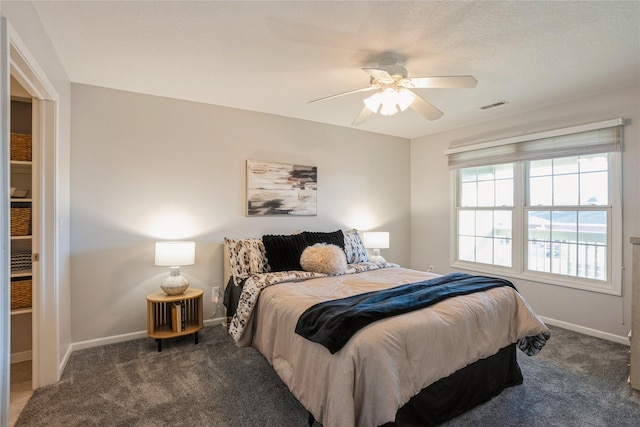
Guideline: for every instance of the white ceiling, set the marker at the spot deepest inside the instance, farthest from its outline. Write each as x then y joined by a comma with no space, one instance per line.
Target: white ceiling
274,57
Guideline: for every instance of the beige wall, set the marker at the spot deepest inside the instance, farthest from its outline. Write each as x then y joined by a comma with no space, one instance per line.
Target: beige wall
137,160
604,315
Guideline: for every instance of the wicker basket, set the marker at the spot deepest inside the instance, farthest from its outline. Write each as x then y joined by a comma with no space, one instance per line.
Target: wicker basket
20,147
20,294
20,221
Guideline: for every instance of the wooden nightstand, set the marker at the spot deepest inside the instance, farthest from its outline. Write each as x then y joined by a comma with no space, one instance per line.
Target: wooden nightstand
170,316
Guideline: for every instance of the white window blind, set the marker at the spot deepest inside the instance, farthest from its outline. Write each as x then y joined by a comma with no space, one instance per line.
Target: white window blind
593,138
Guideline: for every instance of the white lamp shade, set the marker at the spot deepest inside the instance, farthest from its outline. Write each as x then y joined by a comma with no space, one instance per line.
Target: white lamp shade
389,101
174,254
373,102
375,239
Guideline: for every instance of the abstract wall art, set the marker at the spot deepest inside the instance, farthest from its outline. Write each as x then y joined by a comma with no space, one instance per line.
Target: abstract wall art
281,189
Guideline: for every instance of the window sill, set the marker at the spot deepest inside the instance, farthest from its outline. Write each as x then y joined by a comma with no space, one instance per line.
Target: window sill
589,285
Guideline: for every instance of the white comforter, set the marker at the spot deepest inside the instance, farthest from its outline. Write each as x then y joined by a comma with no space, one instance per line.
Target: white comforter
388,362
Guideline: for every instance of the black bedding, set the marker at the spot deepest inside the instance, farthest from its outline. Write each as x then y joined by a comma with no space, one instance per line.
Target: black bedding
467,388
231,297
333,323
461,391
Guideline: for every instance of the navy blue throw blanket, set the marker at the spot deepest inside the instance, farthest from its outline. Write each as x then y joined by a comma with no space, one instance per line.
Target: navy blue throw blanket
333,323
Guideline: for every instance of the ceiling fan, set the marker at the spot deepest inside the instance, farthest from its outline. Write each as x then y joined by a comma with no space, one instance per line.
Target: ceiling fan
394,91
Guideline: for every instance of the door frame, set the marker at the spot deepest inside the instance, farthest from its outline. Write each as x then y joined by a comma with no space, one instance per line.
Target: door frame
22,66
5,296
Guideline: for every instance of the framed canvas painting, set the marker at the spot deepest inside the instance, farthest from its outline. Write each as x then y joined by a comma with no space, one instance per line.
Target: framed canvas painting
281,189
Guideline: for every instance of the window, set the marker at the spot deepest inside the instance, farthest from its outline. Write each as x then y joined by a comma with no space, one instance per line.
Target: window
484,214
567,216
553,215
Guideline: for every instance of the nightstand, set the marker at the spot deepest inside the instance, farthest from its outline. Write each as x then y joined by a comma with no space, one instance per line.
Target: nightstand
170,316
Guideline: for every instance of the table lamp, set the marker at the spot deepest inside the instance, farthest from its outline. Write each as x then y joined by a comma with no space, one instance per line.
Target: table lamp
175,254
376,240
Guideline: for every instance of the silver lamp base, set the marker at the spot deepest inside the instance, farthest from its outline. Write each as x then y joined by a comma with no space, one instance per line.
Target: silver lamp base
175,284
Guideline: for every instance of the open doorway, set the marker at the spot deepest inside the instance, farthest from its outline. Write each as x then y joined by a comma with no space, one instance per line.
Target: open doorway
24,196
47,361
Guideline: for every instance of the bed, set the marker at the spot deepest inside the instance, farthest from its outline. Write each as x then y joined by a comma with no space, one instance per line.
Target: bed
421,367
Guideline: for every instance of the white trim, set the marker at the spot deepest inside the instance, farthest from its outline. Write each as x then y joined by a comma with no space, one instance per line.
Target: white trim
38,299
98,342
216,321
617,211
518,269
453,216
21,356
586,331
5,298
81,345
25,69
539,135
65,360
550,279
46,334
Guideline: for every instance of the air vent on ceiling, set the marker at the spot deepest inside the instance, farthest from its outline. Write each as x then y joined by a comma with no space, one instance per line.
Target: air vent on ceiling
495,104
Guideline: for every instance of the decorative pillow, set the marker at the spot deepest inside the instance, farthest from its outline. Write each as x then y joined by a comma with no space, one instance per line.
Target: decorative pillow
333,238
283,252
353,247
324,258
246,257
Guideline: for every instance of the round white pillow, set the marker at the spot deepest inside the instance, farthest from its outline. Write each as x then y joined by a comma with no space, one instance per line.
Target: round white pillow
323,258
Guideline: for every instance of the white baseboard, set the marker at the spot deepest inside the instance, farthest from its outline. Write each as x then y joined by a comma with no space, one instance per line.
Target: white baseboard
81,345
65,359
216,321
22,356
587,331
26,355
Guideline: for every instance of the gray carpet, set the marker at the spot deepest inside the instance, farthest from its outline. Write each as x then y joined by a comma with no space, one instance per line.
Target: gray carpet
575,381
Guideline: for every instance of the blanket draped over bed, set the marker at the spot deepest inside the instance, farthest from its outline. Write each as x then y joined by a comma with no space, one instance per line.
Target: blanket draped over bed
333,323
386,363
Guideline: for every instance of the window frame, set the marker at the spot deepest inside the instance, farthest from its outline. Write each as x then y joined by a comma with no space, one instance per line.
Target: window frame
519,255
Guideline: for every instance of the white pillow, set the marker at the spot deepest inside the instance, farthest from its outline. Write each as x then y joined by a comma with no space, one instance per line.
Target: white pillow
323,258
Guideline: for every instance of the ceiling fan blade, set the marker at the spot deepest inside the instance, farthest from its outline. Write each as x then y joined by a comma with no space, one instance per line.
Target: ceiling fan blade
374,87
443,82
379,74
425,108
362,117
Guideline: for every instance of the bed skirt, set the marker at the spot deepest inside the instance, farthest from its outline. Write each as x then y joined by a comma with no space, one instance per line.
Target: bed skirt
464,389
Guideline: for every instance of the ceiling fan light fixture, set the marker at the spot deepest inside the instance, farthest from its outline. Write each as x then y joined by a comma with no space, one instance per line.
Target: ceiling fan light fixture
405,98
389,101
393,91
373,102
